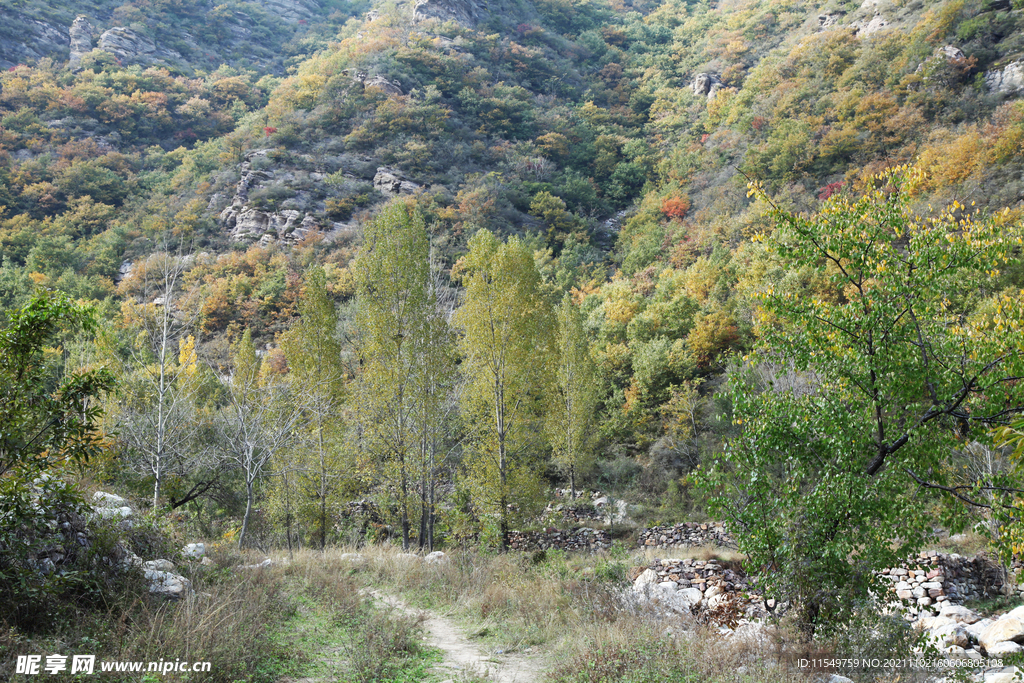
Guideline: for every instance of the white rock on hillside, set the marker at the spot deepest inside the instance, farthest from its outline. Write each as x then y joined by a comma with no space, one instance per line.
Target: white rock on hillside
159,565
1005,628
436,557
167,584
108,500
959,613
194,550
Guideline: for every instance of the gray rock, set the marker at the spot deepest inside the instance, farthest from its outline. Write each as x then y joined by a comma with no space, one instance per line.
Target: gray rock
108,500
80,39
646,579
194,550
436,557
159,565
130,47
468,12
113,513
291,11
1006,81
707,84
167,584
388,181
958,613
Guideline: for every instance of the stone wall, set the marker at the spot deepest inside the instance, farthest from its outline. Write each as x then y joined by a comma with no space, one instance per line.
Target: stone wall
581,538
934,578
686,535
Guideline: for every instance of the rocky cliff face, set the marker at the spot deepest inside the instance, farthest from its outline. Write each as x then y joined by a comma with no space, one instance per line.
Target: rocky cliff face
468,12
81,40
26,40
1006,81
130,47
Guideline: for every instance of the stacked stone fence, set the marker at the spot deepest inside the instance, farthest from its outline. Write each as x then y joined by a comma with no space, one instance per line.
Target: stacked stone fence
686,535
922,584
581,538
934,578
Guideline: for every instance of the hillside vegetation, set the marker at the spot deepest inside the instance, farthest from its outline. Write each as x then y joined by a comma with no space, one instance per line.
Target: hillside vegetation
399,271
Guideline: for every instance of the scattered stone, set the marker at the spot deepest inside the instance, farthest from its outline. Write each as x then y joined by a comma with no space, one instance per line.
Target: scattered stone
108,500
166,584
159,565
436,557
194,550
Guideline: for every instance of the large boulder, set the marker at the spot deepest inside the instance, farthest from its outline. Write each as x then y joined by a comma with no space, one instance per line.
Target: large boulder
108,500
1008,80
167,584
389,181
707,85
645,580
1004,629
958,613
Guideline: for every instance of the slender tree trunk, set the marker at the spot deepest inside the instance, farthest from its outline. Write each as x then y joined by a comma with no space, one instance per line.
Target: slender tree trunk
572,482
249,499
405,507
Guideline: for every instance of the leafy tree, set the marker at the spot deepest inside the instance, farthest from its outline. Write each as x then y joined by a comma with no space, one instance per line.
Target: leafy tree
49,418
865,387
392,279
506,337
317,468
573,412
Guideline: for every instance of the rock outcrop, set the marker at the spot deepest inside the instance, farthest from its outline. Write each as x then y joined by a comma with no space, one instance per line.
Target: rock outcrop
468,12
389,87
1006,81
291,11
247,223
130,47
81,40
36,40
707,84
389,181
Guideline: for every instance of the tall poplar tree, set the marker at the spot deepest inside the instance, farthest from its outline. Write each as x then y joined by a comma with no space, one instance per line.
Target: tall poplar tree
506,338
392,274
318,470
570,417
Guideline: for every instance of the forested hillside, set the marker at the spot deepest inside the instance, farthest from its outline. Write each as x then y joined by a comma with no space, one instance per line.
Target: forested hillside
448,256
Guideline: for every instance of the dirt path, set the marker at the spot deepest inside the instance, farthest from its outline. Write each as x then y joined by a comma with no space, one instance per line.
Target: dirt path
462,655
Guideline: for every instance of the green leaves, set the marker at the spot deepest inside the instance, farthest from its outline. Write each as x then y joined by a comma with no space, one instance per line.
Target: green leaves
865,380
506,342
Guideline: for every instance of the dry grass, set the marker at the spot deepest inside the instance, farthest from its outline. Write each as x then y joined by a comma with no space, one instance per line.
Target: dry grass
571,606
247,623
